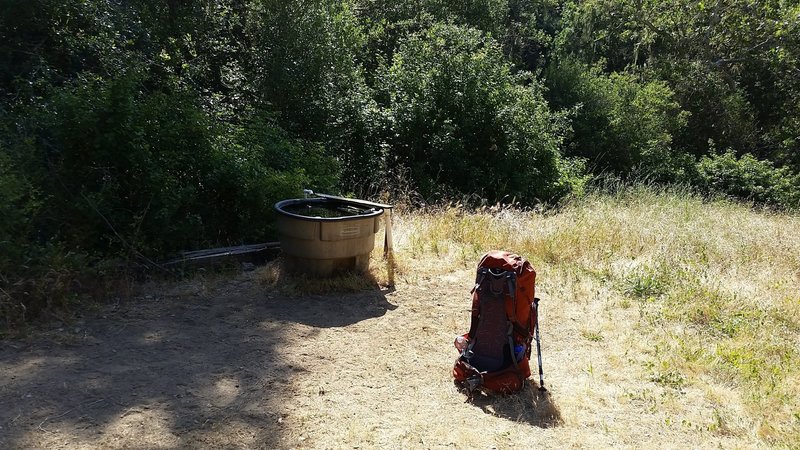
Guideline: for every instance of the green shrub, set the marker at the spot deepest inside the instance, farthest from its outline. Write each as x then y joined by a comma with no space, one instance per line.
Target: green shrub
462,123
17,205
102,169
34,275
124,168
620,124
748,178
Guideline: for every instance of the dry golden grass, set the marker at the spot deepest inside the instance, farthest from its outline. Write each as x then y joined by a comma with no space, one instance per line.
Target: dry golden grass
666,319
667,322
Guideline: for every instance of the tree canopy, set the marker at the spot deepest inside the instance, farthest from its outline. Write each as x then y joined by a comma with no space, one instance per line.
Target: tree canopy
150,127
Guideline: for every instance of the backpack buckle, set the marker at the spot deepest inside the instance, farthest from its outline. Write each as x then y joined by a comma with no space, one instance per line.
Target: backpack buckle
474,382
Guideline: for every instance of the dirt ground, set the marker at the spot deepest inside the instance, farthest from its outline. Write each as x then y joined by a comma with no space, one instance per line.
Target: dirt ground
233,363
236,365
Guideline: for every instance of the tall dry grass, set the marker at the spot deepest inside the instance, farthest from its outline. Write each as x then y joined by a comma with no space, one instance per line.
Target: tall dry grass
699,299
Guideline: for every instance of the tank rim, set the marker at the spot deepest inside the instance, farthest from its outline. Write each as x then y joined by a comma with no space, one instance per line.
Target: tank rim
376,212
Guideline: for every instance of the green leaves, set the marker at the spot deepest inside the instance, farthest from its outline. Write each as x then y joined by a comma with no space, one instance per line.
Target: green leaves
728,63
749,178
620,124
463,124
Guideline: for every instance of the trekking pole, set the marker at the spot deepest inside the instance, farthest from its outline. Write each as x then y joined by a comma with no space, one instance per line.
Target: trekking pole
539,346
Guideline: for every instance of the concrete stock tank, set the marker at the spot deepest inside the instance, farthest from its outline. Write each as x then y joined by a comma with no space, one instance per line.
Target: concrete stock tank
325,235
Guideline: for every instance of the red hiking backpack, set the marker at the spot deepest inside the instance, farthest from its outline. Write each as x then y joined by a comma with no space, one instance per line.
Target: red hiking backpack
496,351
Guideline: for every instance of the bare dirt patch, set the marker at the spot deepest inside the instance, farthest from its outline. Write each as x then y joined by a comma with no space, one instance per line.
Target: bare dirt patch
237,364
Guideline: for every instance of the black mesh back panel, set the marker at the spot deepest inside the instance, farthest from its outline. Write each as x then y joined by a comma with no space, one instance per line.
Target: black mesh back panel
491,335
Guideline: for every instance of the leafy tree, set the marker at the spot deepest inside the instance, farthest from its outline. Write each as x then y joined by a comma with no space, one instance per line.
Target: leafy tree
524,28
463,123
530,32
619,124
731,63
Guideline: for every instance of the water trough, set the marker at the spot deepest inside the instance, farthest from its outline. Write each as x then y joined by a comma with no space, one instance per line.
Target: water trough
326,234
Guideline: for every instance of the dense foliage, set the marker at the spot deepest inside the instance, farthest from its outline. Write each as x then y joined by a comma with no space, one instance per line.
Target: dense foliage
463,122
137,129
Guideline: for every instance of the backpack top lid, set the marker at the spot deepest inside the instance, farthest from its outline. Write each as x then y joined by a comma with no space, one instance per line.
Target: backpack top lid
511,262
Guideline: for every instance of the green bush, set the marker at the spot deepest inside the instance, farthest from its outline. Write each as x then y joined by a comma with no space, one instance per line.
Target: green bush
256,165
620,124
17,205
462,123
125,168
103,169
34,275
748,178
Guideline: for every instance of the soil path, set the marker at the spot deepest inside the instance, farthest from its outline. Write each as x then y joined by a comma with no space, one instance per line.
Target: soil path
237,365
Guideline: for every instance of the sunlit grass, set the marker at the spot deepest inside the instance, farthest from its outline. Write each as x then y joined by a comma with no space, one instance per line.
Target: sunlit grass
662,303
716,286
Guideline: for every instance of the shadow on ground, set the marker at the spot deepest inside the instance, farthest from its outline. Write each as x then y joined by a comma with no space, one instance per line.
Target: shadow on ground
326,311
528,405
192,369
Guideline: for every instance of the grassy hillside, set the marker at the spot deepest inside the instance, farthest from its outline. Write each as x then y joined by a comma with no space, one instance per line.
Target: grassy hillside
674,313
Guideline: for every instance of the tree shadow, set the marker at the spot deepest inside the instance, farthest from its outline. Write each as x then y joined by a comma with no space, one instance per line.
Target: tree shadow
197,366
528,405
333,310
